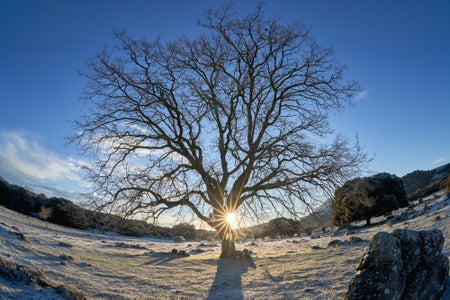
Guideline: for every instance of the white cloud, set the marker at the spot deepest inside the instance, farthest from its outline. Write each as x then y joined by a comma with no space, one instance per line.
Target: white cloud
439,160
362,95
27,162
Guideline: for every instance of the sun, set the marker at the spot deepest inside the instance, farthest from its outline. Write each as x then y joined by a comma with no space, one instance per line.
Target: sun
231,219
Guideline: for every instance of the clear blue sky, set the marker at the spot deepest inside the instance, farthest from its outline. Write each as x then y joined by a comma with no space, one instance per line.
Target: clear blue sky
398,50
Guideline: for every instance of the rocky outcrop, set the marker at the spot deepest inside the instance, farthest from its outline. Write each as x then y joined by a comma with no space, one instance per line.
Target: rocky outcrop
406,264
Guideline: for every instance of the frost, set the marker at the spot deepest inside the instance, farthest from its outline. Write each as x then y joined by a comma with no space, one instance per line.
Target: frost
105,266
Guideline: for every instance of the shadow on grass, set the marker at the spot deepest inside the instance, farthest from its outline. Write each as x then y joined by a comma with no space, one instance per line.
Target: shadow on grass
228,282
160,258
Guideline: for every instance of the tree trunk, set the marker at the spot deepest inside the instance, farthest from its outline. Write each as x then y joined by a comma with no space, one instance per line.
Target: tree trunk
228,245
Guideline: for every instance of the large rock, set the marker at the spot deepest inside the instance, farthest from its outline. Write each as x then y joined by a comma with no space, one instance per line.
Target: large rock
403,265
379,273
411,247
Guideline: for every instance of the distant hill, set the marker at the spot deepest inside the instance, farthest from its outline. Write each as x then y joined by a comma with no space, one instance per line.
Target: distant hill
419,184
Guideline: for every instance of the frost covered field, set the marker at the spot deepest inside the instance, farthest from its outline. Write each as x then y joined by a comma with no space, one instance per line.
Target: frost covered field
110,266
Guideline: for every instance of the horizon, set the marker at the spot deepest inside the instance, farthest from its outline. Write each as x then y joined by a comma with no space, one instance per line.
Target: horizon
397,51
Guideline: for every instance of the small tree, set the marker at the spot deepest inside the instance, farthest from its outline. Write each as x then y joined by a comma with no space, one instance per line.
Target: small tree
282,227
45,213
229,120
186,230
364,198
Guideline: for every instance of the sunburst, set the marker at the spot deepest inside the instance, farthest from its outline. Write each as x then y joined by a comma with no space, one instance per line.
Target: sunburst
231,220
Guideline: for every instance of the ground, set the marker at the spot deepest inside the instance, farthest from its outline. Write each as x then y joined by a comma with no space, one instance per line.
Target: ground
105,265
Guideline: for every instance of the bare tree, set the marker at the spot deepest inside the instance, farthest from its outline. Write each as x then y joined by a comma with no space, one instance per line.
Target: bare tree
45,213
235,118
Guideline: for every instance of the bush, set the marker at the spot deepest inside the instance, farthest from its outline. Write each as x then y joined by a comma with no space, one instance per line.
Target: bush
281,227
364,198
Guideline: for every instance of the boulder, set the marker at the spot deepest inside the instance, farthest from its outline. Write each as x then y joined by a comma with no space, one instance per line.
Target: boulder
411,247
403,265
355,239
427,280
379,273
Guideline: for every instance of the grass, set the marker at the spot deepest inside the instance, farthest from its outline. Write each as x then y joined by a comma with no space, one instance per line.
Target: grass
105,266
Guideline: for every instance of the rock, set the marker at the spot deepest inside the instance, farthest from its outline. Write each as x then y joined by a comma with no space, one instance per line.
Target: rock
355,239
427,281
132,246
178,239
433,242
183,253
403,265
19,235
379,271
66,257
334,243
24,275
198,251
64,244
411,247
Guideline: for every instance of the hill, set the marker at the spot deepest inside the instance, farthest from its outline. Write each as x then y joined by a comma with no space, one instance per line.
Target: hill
57,262
64,212
419,184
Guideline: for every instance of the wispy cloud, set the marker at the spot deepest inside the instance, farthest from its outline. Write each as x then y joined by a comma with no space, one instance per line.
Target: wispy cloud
440,160
27,162
362,95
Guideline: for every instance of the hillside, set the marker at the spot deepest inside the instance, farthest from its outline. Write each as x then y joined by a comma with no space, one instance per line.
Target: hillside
64,212
103,265
420,184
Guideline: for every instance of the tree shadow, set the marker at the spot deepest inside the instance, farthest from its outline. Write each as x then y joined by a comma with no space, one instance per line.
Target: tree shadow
228,282
160,258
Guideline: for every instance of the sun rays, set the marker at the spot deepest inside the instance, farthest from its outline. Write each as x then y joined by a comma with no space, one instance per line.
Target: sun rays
231,220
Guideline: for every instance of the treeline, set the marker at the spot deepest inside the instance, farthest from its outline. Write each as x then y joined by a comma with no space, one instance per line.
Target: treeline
64,212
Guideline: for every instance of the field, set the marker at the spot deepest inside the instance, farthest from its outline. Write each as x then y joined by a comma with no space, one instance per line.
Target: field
103,265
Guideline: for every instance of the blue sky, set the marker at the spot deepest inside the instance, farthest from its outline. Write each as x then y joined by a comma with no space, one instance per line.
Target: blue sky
398,50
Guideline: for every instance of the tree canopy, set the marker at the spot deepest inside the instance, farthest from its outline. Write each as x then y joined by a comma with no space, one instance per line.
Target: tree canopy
234,118
368,197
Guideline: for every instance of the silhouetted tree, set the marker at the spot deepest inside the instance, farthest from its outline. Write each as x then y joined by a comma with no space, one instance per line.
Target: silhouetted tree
364,198
231,119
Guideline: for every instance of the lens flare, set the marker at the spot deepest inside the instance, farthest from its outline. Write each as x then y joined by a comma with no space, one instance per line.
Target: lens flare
231,219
